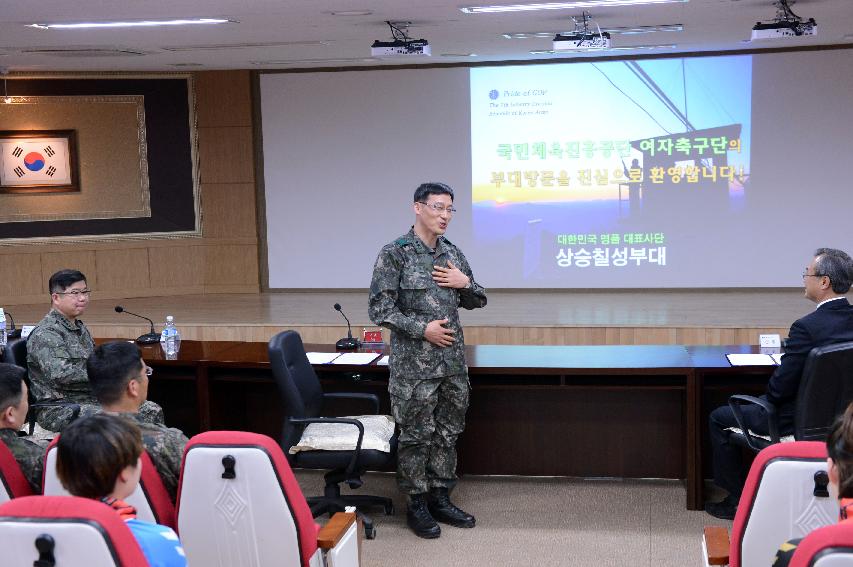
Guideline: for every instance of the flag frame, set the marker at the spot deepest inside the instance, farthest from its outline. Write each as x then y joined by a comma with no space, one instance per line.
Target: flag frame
68,138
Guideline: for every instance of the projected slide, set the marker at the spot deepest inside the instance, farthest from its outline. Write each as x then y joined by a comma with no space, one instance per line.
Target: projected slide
582,172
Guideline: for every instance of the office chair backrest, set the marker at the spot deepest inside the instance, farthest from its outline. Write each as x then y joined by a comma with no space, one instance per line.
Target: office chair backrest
830,546
826,389
786,496
13,483
150,498
239,504
67,532
16,352
298,385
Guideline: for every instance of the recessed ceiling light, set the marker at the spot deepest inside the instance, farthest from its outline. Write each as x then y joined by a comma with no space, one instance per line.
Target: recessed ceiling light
351,12
316,61
458,55
624,48
561,5
132,24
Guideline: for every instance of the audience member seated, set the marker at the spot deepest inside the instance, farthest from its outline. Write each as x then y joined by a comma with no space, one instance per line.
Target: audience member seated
99,457
826,279
57,350
13,414
839,447
119,380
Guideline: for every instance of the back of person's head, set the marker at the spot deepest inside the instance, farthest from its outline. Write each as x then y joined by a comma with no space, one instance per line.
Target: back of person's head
63,279
839,447
424,190
93,451
837,266
11,386
110,367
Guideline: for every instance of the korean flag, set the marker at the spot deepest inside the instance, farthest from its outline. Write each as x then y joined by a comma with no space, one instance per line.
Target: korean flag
44,161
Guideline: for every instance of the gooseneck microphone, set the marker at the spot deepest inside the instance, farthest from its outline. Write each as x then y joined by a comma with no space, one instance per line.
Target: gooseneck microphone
12,333
149,338
348,343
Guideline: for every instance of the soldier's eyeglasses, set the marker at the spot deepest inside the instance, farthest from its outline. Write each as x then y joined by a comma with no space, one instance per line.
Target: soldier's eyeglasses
439,208
76,293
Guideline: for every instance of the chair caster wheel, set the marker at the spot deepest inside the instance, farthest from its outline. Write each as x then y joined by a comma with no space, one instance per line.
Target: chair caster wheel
389,509
370,532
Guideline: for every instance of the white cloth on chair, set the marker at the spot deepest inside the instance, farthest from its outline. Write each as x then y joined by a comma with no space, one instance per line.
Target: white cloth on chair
378,430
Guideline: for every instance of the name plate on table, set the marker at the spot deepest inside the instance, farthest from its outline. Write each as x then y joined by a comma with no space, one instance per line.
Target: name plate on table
769,341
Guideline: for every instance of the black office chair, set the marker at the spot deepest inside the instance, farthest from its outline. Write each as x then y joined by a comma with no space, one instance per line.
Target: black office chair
302,400
826,389
16,353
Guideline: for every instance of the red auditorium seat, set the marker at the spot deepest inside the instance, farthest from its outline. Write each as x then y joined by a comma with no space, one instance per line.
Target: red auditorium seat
239,503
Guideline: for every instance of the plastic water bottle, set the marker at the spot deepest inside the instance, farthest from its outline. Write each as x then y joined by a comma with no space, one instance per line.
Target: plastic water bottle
2,328
170,338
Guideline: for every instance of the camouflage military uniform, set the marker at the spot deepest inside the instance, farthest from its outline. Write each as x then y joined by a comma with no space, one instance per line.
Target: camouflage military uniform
30,457
57,350
429,384
165,446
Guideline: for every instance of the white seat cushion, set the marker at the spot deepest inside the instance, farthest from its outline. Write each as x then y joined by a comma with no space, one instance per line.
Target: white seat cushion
378,430
785,439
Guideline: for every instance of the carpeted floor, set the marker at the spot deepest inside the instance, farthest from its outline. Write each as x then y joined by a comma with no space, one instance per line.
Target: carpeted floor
542,522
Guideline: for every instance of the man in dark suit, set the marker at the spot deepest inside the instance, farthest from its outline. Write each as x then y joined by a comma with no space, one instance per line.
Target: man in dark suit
826,279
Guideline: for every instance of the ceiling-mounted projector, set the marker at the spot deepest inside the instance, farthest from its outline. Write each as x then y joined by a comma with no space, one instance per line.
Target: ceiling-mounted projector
582,37
786,24
398,47
401,45
563,42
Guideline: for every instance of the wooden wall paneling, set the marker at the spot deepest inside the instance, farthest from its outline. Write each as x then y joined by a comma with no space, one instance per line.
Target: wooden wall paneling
229,210
223,98
122,270
231,265
22,276
176,267
76,259
226,154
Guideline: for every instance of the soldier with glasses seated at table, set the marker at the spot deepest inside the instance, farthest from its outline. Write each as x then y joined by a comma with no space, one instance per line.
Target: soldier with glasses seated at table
57,351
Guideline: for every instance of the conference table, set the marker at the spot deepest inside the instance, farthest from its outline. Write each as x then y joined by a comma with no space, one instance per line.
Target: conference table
583,411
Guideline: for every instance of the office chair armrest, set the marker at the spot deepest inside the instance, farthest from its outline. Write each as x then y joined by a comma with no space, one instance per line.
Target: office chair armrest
31,416
373,398
772,427
353,464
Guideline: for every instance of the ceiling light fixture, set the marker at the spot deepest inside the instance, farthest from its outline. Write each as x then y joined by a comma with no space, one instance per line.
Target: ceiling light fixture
132,24
561,5
351,13
623,48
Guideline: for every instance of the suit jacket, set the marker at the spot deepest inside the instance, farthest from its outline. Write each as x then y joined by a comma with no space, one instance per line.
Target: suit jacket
830,323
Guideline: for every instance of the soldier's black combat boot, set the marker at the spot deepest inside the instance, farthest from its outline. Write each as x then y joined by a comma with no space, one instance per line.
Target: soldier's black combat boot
419,519
443,510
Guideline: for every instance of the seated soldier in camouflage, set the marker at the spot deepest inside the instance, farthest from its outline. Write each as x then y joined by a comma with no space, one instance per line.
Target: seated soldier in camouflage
119,380
13,413
57,351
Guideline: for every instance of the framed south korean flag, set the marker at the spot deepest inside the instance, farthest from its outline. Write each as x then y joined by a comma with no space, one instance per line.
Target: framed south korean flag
38,161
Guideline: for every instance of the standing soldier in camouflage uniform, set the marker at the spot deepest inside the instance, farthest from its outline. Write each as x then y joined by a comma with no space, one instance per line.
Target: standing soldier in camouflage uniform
57,350
119,379
419,282
13,413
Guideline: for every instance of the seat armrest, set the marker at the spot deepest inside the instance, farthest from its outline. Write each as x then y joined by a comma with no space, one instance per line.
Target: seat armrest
35,406
716,540
373,398
334,530
772,427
